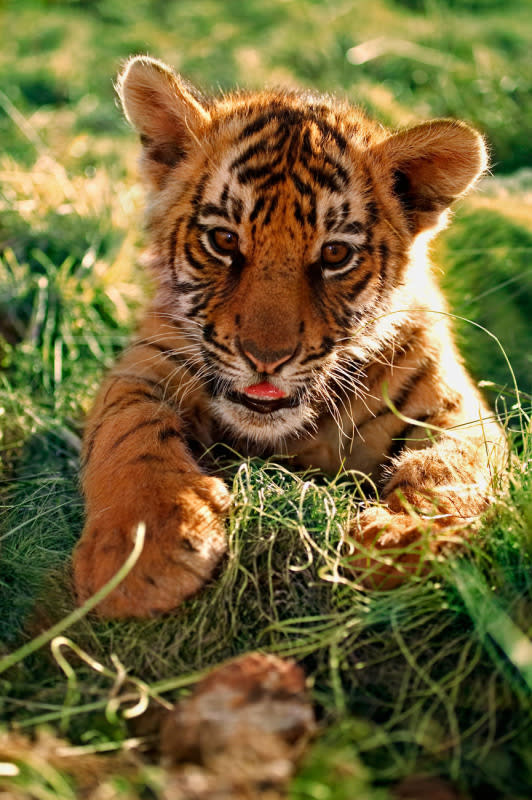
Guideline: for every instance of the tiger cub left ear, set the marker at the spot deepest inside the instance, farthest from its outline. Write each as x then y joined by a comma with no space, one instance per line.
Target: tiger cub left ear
431,165
166,112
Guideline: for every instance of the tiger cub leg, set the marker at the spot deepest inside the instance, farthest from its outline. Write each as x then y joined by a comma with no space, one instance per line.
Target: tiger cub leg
138,469
430,504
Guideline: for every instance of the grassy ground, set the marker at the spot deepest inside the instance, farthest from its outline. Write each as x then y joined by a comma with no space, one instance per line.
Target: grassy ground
434,678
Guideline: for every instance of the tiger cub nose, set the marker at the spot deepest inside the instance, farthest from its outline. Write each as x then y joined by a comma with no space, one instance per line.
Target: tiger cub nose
267,361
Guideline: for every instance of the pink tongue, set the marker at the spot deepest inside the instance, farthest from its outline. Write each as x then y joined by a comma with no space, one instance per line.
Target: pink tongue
265,390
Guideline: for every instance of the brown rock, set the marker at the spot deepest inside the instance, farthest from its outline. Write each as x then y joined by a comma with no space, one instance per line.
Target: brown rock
425,787
241,733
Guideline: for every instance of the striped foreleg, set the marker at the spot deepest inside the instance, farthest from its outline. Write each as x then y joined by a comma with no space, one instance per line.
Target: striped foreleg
137,468
430,503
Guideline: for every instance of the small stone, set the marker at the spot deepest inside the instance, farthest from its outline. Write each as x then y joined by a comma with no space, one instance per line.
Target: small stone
423,787
246,726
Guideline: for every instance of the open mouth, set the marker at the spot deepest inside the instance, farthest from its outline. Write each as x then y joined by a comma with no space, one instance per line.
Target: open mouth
263,399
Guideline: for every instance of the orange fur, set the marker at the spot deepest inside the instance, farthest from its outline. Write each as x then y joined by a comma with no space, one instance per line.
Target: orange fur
288,242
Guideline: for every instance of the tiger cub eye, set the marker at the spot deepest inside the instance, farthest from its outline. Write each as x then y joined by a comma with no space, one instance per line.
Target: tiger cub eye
223,241
335,254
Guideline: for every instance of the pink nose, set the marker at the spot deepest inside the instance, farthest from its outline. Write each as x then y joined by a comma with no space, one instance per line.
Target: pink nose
265,361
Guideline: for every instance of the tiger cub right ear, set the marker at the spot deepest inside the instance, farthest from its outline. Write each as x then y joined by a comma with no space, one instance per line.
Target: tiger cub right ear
164,110
430,166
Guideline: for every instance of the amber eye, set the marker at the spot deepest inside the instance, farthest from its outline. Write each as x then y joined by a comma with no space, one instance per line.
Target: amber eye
335,254
223,241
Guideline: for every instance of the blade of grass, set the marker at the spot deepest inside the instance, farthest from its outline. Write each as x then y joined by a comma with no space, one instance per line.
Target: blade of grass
78,613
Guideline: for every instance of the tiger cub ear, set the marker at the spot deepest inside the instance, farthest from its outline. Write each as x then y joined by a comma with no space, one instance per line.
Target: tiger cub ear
164,110
431,165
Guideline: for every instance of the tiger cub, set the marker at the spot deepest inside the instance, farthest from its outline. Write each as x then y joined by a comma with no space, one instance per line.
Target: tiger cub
295,314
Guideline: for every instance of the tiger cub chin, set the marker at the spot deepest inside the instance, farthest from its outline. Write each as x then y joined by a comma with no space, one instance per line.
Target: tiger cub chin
295,314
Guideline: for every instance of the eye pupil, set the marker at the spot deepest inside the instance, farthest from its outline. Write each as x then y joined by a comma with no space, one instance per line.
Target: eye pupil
223,241
335,254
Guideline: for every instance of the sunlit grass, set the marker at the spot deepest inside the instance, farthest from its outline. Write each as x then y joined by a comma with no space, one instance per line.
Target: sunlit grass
433,678
429,674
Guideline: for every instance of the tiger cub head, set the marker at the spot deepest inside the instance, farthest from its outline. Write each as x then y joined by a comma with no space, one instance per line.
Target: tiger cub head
283,226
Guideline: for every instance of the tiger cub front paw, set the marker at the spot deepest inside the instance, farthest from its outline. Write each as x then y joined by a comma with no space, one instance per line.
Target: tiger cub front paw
184,541
390,546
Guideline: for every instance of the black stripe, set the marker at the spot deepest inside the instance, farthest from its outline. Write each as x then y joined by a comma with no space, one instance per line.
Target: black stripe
336,218
327,344
198,306
213,359
324,179
130,377
119,405
273,180
253,173
346,208
237,207
352,227
168,433
372,211
298,213
208,209
208,334
172,247
311,216
147,423
331,219
293,149
167,153
328,130
302,187
131,399
193,261
147,457
187,287
341,315
339,170
257,125
359,286
286,118
384,253
306,147
279,139
257,208
401,398
251,151
256,172
200,187
271,209
225,195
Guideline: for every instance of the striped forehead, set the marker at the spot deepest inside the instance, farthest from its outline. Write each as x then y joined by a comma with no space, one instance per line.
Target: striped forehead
276,158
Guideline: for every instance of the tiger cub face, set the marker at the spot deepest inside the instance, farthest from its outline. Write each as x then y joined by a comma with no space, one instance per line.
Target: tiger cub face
284,228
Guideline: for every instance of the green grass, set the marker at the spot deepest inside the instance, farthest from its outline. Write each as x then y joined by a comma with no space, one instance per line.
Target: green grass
433,678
